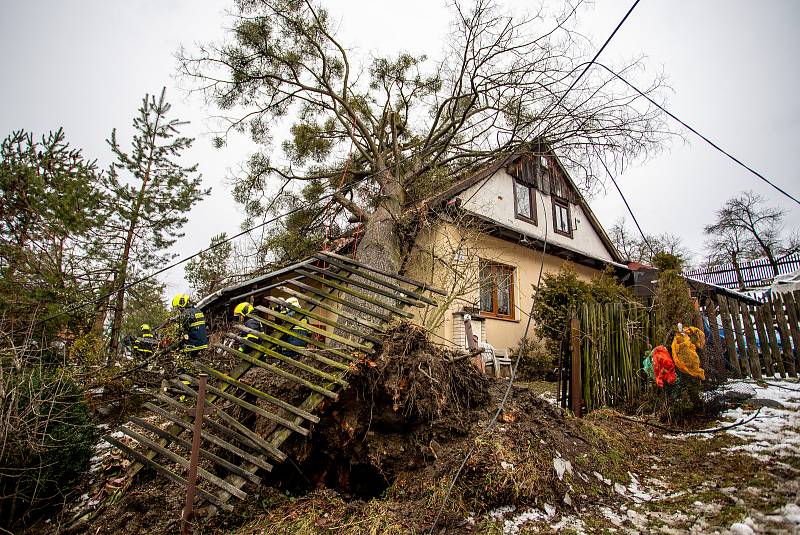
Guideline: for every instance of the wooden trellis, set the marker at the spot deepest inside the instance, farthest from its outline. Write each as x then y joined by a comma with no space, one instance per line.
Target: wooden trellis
350,305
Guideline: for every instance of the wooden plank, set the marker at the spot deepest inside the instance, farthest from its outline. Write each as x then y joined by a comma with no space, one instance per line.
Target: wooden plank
763,339
398,277
230,467
744,362
366,275
256,392
249,406
713,325
794,325
364,286
258,461
786,346
286,375
358,295
331,295
307,326
237,425
184,463
750,336
326,320
216,426
167,473
575,374
730,346
336,310
284,358
770,325
300,350
282,329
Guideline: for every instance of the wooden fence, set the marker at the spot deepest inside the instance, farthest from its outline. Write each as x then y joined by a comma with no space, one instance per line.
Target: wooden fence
609,341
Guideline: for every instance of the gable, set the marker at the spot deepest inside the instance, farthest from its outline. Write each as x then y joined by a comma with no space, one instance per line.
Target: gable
499,192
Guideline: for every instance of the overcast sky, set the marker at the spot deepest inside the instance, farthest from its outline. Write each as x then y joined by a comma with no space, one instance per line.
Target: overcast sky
732,66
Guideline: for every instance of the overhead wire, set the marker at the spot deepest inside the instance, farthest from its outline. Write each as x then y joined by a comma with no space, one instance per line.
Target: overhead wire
697,133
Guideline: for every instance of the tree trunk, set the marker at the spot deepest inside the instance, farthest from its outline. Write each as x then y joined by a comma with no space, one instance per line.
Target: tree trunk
380,245
738,270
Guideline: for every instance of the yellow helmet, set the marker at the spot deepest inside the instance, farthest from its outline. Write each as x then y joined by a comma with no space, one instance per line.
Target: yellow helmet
243,309
180,301
145,328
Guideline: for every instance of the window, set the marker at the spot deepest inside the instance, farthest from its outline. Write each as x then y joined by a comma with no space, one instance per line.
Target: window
497,289
561,217
524,202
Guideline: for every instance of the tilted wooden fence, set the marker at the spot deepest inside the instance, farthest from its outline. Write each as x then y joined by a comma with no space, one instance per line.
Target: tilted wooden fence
608,343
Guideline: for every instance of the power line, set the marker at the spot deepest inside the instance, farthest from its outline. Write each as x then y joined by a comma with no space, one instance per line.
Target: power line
209,248
575,81
628,206
698,134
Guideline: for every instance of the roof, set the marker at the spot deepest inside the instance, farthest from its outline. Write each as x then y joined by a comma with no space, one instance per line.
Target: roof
501,162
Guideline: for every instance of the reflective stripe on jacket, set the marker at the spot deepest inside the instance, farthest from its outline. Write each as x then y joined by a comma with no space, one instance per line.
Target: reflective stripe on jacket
194,325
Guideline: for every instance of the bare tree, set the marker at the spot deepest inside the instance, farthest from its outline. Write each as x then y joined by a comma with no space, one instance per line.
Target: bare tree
747,219
643,248
383,137
728,244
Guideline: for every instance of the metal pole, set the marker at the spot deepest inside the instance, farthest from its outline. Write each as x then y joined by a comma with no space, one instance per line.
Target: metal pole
191,483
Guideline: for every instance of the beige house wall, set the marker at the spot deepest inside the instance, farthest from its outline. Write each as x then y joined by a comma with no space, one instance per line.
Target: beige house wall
446,256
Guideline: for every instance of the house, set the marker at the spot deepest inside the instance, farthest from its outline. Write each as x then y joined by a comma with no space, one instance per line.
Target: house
492,234
484,241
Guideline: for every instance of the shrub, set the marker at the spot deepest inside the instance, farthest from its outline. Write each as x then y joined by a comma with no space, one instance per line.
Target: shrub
563,290
537,360
45,439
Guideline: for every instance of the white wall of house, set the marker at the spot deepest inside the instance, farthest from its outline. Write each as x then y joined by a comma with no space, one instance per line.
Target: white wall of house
494,199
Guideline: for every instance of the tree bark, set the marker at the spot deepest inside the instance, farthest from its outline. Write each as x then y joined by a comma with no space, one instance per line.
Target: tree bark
380,245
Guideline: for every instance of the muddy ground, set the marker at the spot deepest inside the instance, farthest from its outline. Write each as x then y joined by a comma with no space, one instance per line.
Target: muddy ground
383,457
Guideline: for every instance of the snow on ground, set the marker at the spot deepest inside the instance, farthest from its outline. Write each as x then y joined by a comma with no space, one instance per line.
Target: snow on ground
775,432
773,435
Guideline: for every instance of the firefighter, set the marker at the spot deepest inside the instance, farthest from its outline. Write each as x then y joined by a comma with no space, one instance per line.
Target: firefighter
241,311
289,309
193,322
144,344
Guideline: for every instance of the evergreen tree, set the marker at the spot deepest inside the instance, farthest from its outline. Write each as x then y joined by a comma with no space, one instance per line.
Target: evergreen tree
149,193
49,206
209,271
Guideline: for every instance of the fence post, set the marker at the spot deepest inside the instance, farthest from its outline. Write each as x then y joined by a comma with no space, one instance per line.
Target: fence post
730,345
191,481
575,380
786,344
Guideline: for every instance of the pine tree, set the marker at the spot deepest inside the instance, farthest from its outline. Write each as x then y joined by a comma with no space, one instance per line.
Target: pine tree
150,193
49,207
208,272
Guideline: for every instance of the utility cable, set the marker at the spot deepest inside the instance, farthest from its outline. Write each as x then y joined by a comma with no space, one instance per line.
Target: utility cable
628,206
695,432
502,405
209,248
698,134
575,81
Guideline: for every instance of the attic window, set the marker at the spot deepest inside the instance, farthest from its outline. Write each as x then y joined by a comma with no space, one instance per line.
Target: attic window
524,202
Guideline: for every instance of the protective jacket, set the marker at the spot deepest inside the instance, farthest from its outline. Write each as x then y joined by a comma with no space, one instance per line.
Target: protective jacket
194,326
250,323
143,346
